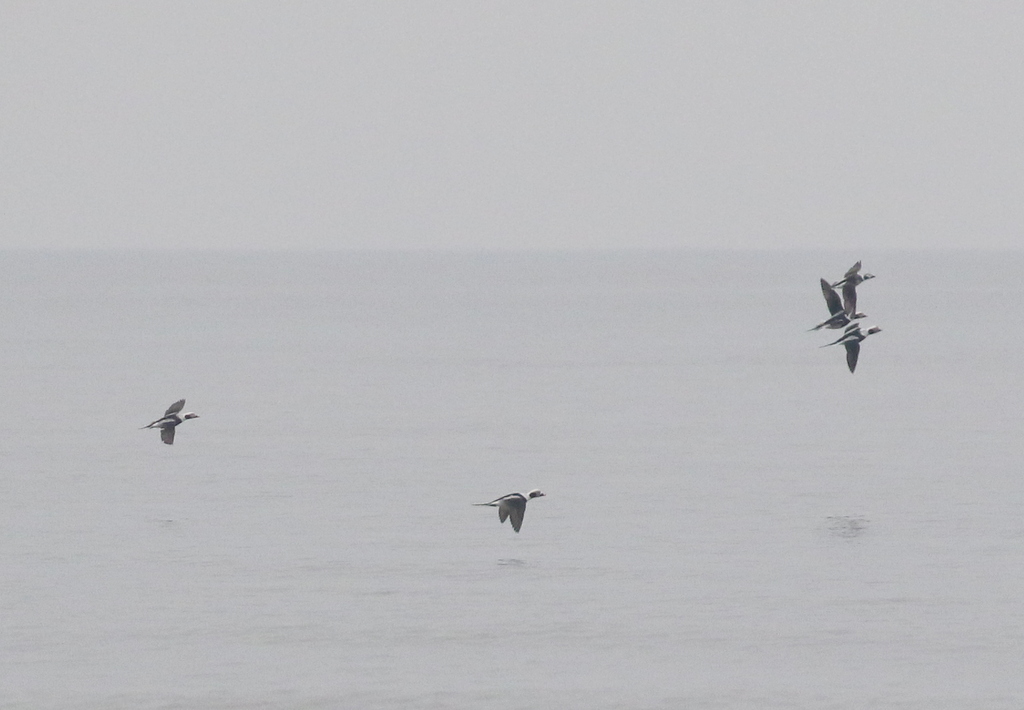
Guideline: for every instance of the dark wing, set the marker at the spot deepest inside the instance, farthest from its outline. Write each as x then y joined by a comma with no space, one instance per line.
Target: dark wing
502,511
831,298
167,434
852,353
850,298
175,408
516,510
853,269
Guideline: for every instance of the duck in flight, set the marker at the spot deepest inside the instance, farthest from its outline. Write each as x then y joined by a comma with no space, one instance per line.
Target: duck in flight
851,340
171,419
842,314
513,506
850,281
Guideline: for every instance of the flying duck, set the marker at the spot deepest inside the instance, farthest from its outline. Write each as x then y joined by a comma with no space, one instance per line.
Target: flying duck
841,315
851,341
850,281
170,420
513,506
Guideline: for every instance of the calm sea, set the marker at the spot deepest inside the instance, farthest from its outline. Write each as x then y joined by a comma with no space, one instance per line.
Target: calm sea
732,519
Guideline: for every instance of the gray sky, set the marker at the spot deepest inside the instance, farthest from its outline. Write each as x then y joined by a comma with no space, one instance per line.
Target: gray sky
506,125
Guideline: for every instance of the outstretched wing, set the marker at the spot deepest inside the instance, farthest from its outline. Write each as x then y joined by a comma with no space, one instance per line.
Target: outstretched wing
516,509
853,269
516,516
850,298
852,353
167,435
175,408
831,298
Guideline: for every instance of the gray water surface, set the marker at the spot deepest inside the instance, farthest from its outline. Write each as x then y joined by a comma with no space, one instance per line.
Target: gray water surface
732,519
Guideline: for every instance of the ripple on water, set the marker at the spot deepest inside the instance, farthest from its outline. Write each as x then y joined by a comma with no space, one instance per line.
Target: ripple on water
846,525
511,563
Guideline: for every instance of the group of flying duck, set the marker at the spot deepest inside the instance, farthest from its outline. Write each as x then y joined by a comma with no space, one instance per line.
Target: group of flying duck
512,506
844,313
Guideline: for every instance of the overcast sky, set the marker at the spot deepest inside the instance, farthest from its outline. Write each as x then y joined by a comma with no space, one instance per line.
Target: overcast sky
512,124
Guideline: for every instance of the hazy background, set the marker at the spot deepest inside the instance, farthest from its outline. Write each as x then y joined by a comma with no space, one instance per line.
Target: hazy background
526,124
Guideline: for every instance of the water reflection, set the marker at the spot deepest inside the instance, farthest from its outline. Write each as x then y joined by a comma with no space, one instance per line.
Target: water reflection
847,525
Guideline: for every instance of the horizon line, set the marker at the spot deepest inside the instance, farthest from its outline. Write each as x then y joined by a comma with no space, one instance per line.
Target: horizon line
495,250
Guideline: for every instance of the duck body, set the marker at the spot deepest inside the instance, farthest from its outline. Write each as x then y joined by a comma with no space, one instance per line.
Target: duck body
850,281
853,276
513,507
170,420
851,340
